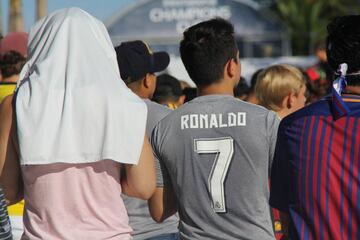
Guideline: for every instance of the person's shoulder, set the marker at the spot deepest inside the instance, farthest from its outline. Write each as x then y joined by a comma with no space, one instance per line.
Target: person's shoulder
6,103
233,103
154,106
253,110
318,108
155,114
251,107
174,114
230,103
6,113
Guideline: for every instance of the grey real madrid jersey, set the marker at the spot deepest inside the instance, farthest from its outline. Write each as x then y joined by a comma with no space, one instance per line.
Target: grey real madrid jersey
139,217
217,151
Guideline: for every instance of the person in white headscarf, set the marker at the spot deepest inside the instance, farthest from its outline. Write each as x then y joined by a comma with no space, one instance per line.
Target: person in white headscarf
72,139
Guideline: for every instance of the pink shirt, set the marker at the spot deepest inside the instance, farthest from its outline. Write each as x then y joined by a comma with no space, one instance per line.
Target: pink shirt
74,201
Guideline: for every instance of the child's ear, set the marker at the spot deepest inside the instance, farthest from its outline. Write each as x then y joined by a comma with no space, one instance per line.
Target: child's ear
291,100
146,82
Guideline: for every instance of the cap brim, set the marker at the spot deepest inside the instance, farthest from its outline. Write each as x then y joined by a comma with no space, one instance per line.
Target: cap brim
161,61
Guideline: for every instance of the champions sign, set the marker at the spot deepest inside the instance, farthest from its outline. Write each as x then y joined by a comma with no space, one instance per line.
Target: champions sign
185,13
162,22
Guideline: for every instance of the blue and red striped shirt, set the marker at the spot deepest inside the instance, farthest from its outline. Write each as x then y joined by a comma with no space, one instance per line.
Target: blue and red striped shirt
316,171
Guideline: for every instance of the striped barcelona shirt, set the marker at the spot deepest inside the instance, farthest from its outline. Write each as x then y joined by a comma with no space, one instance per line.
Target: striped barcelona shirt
316,171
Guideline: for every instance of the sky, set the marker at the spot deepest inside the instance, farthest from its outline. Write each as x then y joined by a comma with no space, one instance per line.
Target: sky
101,9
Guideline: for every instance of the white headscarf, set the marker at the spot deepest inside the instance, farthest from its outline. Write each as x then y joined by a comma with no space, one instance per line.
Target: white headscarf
71,105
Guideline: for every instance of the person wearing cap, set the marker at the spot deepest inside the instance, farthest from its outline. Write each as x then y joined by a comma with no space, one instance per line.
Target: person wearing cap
169,92
138,65
315,179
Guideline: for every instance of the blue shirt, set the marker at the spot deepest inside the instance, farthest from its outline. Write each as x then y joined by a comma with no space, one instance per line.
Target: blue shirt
316,171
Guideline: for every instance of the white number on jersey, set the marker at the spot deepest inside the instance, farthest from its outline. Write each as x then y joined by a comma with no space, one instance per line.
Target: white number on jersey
224,150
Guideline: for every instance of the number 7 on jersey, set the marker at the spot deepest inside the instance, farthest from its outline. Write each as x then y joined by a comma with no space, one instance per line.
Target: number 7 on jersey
224,150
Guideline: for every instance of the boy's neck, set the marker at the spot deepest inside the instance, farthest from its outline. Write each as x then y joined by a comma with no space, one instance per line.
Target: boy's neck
221,88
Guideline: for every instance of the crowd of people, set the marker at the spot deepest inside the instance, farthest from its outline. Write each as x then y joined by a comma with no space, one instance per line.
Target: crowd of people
99,142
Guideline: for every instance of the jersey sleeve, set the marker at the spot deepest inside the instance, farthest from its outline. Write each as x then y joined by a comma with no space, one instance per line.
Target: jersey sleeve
272,129
279,197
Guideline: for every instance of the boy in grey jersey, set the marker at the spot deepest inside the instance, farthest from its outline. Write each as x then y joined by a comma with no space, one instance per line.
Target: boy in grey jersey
216,151
137,65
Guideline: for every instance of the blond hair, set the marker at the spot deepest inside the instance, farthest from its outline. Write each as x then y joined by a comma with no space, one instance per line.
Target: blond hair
275,83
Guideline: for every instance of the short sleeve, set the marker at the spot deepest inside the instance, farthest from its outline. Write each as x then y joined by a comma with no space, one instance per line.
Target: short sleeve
279,195
272,129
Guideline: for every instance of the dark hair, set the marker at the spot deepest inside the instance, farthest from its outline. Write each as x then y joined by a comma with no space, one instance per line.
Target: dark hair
312,93
206,48
320,45
11,63
254,79
168,88
343,45
242,88
190,93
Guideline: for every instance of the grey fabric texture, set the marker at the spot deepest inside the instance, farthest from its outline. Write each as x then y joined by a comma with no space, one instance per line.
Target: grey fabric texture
139,217
216,152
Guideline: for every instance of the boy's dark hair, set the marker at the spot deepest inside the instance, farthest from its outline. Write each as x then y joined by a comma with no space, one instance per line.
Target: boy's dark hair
254,79
11,63
190,93
320,45
242,88
206,48
343,45
167,89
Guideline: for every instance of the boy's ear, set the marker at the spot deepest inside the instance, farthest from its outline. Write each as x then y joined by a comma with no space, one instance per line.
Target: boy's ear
286,103
230,67
290,100
181,100
146,82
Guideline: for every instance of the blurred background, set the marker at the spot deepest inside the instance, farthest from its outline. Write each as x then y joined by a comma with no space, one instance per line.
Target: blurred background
267,31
